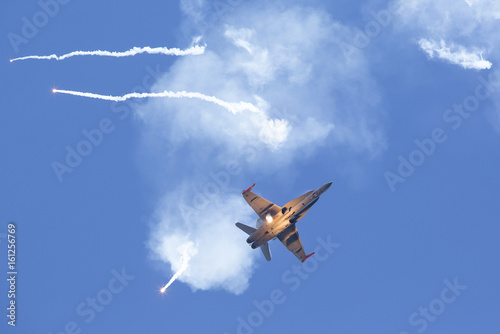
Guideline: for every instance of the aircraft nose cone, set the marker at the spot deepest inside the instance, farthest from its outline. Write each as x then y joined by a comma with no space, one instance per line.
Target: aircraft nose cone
324,187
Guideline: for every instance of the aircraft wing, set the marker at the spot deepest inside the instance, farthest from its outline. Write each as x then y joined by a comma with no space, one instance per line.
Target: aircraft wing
290,238
260,205
297,200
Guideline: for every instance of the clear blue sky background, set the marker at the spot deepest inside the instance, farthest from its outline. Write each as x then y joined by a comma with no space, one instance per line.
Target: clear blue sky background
397,246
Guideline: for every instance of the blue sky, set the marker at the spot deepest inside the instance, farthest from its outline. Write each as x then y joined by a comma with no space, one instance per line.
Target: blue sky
395,102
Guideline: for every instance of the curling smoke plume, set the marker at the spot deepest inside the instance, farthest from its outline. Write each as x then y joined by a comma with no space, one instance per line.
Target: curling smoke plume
233,107
194,50
187,250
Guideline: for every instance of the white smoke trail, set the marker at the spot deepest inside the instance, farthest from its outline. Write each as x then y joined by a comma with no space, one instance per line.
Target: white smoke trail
194,50
187,251
233,107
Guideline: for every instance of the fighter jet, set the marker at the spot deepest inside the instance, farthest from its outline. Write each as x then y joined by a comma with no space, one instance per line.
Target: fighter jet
279,222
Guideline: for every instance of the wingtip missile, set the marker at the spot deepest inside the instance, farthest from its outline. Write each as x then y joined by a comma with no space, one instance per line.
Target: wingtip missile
308,256
244,191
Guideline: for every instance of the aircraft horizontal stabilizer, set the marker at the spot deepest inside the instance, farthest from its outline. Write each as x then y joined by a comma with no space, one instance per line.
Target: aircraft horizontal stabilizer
247,229
266,251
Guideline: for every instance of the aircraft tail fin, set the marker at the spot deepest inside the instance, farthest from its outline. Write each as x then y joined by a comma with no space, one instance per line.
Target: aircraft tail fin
247,229
266,251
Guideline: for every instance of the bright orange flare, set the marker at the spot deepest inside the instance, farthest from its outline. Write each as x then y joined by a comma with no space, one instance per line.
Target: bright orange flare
184,265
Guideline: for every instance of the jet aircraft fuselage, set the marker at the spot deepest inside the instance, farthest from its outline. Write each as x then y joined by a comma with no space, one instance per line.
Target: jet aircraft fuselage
289,214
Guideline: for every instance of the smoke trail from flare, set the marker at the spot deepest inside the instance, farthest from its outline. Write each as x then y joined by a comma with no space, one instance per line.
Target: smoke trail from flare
194,50
187,251
233,107
177,274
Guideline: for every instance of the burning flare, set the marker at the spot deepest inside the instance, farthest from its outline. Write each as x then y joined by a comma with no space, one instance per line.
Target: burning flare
187,250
